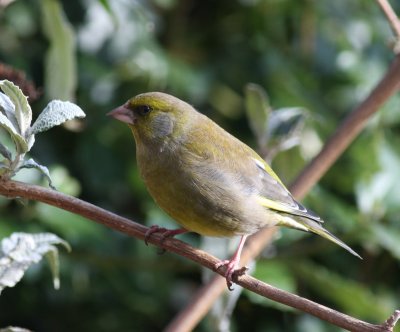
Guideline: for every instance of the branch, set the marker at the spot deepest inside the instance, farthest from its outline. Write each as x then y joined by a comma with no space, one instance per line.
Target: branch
391,16
348,131
204,298
13,189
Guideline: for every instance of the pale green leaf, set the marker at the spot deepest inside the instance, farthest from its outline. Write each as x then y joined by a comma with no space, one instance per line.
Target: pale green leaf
285,128
52,258
56,113
30,163
14,329
258,110
19,141
23,111
8,109
60,70
5,152
21,250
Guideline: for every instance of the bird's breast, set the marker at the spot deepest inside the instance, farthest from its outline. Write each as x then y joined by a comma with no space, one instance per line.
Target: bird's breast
198,195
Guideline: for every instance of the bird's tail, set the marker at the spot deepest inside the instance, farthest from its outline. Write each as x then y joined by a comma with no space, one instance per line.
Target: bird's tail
310,225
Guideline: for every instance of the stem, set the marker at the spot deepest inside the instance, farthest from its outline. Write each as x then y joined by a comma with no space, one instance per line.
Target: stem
13,189
391,16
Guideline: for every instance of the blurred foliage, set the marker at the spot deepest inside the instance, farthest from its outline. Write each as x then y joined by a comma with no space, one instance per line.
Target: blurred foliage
321,56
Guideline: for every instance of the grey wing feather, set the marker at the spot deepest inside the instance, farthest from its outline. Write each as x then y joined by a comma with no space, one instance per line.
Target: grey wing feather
273,190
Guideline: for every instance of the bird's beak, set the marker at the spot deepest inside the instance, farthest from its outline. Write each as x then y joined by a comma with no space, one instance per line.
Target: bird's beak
124,114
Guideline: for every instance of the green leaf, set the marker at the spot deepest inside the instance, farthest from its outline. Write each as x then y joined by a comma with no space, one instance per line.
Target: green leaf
23,111
19,141
258,110
286,123
60,71
52,258
14,329
5,152
30,163
285,127
4,168
8,108
21,250
56,113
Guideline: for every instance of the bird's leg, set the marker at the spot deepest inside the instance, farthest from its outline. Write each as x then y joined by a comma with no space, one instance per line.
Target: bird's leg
164,232
233,263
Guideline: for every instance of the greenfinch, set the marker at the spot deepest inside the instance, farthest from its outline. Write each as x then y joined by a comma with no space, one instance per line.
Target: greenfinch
207,180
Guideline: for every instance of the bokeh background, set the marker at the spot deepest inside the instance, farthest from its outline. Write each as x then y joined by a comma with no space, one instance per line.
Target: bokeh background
321,56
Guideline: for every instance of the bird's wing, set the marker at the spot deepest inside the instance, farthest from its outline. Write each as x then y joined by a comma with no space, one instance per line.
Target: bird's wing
239,163
274,195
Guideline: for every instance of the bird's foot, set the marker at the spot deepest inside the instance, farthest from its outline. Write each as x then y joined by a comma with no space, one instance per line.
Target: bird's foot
165,233
232,271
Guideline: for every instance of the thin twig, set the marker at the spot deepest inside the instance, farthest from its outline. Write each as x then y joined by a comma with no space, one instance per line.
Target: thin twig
391,16
13,189
340,140
348,131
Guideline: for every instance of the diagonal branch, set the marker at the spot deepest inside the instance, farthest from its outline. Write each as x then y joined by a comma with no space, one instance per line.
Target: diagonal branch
204,298
391,16
13,189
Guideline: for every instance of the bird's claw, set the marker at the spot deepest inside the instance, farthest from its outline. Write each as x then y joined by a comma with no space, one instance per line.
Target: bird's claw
232,272
151,230
165,233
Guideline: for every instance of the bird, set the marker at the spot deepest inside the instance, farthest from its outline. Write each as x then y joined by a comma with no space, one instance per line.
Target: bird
207,180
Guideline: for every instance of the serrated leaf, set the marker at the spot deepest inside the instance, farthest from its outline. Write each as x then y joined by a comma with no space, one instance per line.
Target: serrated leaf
19,141
56,113
5,152
30,163
258,110
21,250
60,65
23,111
8,108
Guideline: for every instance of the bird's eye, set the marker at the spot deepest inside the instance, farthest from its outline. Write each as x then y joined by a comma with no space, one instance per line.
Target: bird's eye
143,109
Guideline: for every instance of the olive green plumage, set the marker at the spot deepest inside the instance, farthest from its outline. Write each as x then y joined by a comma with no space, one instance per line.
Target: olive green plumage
207,180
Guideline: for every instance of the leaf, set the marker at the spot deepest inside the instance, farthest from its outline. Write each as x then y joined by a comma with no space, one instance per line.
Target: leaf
60,75
23,111
14,329
285,127
52,258
30,163
4,168
5,152
21,250
9,109
56,113
258,110
286,122
19,141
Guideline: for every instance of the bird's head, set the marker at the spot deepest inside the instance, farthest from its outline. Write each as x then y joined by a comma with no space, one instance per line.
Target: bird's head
154,116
